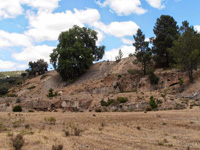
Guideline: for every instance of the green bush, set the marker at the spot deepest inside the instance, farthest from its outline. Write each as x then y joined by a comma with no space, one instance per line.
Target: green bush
153,103
17,108
3,91
104,103
122,99
133,71
51,93
153,78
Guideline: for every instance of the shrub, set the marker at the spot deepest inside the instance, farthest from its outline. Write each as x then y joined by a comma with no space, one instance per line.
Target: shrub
51,94
104,103
119,75
11,95
43,76
50,120
181,88
153,103
17,108
122,99
153,78
57,147
133,71
77,131
31,87
3,91
18,142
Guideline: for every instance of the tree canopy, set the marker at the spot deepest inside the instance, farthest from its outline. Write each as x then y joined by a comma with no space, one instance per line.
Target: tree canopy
40,66
142,50
166,31
76,52
186,50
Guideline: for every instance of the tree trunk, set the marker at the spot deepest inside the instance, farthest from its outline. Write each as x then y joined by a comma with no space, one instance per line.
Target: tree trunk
191,75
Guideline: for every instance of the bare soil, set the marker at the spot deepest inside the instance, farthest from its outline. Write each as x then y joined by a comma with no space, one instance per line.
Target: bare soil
158,130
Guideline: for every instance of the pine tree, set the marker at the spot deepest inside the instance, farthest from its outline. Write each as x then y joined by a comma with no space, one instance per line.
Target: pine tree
142,50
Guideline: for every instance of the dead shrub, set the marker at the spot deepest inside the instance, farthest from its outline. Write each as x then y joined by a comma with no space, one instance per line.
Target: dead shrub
18,142
57,147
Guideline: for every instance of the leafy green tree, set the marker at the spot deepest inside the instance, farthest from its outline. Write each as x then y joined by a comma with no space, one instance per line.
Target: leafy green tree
40,66
119,57
142,50
186,51
166,31
76,52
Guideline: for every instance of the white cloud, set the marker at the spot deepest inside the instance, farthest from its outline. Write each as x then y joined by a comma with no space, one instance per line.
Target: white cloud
8,65
13,8
156,3
48,26
197,27
13,39
123,7
118,29
127,41
111,54
100,36
41,5
34,53
10,9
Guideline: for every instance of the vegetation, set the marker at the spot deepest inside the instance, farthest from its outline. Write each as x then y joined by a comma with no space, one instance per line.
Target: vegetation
51,93
153,78
57,147
50,120
17,108
76,52
119,57
113,101
133,71
186,50
18,142
38,67
166,31
122,99
3,91
31,87
152,103
143,52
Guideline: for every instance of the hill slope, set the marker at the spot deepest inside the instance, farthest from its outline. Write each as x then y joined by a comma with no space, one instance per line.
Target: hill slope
106,81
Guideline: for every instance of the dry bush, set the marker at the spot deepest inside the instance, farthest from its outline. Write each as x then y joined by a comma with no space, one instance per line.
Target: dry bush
57,147
18,142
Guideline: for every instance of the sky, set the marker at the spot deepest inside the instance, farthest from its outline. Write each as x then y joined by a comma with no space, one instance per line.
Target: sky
29,29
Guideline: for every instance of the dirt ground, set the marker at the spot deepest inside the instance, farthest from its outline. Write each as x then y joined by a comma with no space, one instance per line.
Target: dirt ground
159,130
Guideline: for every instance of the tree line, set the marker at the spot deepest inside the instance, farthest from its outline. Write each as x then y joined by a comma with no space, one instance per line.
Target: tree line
172,46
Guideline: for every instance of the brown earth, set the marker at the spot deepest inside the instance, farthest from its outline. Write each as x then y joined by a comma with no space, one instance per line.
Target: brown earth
159,130
103,81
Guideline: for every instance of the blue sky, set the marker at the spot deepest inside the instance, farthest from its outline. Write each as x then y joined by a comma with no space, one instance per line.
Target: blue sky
29,28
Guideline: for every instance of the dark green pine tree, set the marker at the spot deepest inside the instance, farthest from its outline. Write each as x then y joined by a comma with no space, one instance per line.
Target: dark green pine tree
186,50
166,31
142,50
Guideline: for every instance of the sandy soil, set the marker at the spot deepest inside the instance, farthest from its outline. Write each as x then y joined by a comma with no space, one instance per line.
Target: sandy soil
160,130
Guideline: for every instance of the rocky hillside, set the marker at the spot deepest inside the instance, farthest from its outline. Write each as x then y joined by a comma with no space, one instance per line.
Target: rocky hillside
107,86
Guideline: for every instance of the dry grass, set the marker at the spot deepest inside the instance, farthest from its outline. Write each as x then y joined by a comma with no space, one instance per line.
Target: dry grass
157,130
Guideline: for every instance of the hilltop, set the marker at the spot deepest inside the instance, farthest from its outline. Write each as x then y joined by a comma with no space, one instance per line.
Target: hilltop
106,81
